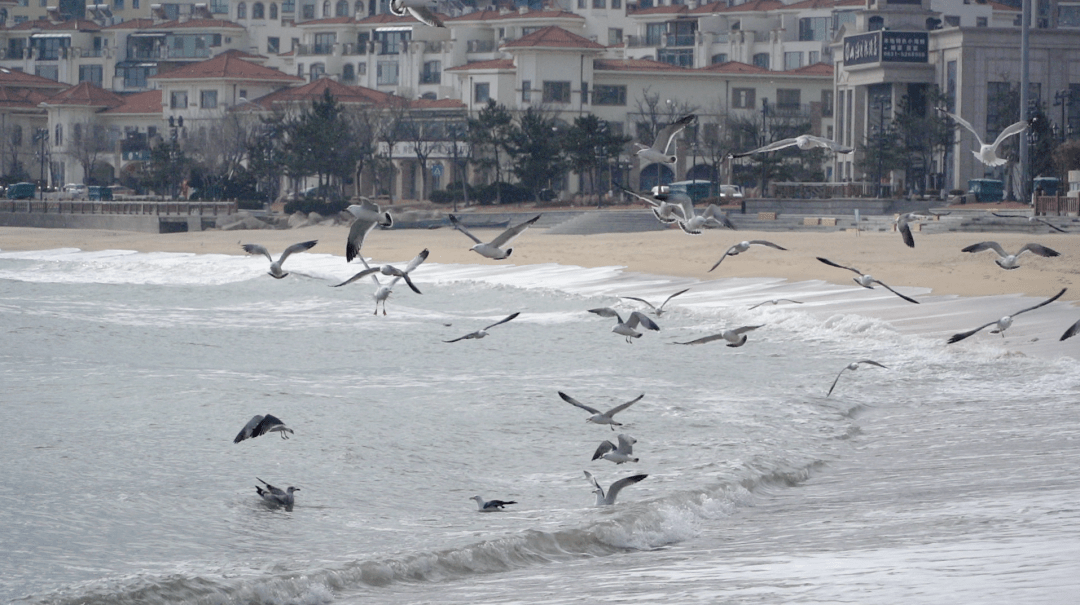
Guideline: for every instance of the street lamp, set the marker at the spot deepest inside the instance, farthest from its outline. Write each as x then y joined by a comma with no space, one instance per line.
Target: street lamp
41,136
1063,99
882,103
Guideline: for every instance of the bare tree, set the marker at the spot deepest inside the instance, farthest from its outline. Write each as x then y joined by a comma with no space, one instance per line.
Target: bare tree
391,131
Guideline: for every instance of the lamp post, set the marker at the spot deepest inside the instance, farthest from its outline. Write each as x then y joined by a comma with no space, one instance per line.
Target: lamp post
1063,98
881,103
764,140
41,136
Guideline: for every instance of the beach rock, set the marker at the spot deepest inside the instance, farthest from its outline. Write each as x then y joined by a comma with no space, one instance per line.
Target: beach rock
297,219
249,222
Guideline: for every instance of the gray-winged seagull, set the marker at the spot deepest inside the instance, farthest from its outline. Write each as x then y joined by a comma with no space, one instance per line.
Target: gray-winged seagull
658,310
608,498
389,270
261,425
1006,321
274,495
491,506
987,154
599,417
804,142
367,216
482,332
494,248
658,152
624,452
1011,261
741,247
852,366
627,328
275,265
735,337
774,302
866,280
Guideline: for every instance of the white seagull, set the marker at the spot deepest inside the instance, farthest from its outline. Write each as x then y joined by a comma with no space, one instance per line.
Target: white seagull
491,506
775,301
1032,219
735,338
656,310
419,9
367,216
712,216
658,153
599,417
1004,323
260,425
1011,261
743,247
274,495
607,499
629,327
624,452
803,141
483,331
383,291
852,366
987,154
665,211
275,266
1072,331
494,248
866,280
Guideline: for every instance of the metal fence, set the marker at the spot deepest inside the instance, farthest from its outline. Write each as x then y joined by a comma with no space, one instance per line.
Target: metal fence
120,207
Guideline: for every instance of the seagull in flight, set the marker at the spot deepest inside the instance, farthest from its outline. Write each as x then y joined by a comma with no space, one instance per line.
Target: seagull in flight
608,498
418,9
629,327
1011,261
804,142
367,216
775,301
483,331
382,292
712,216
1072,331
658,311
735,338
599,417
274,495
741,247
494,248
987,154
391,271
275,265
1006,321
1032,219
866,280
852,366
260,425
658,152
665,211
491,506
624,452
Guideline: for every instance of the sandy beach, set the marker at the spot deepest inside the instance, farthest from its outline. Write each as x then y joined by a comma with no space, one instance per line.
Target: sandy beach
936,262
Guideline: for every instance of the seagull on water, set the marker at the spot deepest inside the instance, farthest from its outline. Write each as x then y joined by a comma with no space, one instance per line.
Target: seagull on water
658,152
275,265
1032,219
1011,261
804,142
274,495
1072,331
599,417
735,338
494,248
624,452
608,498
418,9
987,154
852,366
260,425
491,506
483,331
741,247
658,311
391,271
367,216
627,328
866,280
1004,323
775,301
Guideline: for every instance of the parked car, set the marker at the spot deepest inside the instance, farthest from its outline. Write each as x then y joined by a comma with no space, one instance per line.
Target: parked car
730,192
75,190
21,191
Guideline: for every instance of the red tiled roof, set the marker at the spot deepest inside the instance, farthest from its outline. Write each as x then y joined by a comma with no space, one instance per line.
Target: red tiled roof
1005,8
492,64
88,95
388,18
176,24
490,15
25,98
635,65
735,67
231,64
815,69
753,6
345,94
140,102
45,24
329,21
552,36
660,10
132,24
11,77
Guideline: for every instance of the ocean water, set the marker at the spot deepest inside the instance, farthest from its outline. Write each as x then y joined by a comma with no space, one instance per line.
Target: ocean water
949,477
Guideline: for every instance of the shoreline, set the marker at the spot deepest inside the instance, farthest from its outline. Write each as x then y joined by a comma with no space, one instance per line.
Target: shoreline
936,262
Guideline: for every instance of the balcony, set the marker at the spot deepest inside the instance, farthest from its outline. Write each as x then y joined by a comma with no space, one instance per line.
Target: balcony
434,46
431,78
672,40
354,49
315,49
480,46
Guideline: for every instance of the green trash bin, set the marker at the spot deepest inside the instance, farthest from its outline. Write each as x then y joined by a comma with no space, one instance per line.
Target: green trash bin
1048,184
987,190
99,194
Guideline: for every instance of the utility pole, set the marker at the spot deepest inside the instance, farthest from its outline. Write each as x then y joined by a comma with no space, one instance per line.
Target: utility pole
1025,79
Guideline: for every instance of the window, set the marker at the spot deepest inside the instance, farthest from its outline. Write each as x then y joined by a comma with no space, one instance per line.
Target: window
317,71
178,99
826,103
324,43
609,94
877,22
432,73
241,11
308,11
680,57
556,92
288,6
616,4
719,58
792,60
257,11
326,8
16,136
348,74
813,29
361,69
481,92
76,134
1069,15
581,3
788,98
391,43
118,5
743,98
980,22
614,35
59,140
998,97
761,60
208,99
273,10
526,90
599,3
815,57
135,4
219,7
273,44
654,33
950,20
359,9
341,9
51,72
387,73
90,73
584,93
